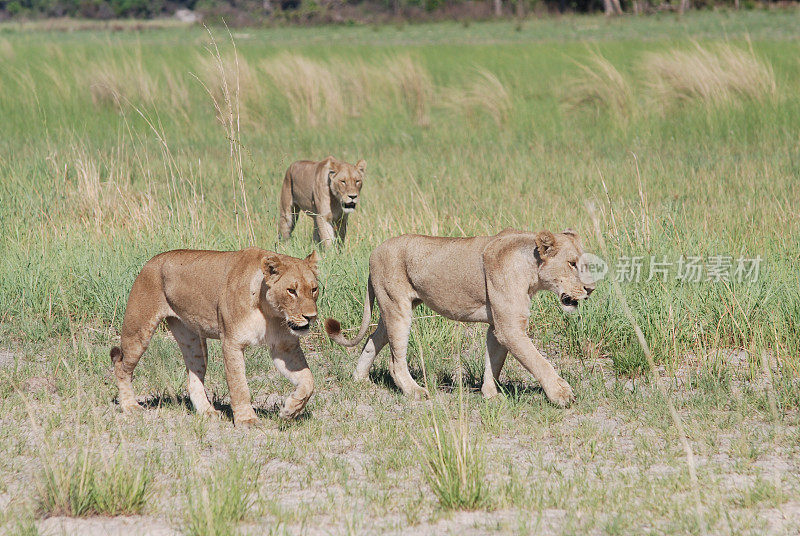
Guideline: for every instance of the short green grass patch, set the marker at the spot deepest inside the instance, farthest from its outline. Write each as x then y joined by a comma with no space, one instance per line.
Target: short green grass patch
85,485
217,500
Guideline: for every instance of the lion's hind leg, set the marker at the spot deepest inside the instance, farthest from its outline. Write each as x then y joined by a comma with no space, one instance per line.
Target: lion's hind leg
495,359
195,356
374,345
145,310
397,317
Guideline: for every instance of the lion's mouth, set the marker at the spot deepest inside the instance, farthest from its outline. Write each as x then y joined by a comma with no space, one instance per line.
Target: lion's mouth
298,328
568,301
350,205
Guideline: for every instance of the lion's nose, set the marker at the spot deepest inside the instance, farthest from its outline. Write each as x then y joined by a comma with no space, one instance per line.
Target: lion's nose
588,290
310,318
352,197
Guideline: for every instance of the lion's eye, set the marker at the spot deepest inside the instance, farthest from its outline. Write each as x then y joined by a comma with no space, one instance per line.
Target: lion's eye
358,183
314,290
573,264
292,291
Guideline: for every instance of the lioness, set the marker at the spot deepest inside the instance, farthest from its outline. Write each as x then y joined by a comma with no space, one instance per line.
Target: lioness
242,298
481,279
328,191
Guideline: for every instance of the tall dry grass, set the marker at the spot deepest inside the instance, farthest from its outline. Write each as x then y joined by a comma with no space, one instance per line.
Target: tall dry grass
234,74
327,92
103,199
313,89
600,86
714,75
486,94
412,85
115,81
229,77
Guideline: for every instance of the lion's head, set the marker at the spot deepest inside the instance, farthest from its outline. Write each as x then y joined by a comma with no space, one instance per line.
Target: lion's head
345,181
292,289
560,255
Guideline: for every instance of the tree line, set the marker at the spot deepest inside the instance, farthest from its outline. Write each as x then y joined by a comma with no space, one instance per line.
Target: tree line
257,11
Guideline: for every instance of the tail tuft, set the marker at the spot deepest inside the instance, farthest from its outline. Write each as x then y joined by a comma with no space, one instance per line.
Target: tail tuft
116,354
333,327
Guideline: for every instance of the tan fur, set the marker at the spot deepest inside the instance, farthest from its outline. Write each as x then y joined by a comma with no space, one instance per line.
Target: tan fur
327,191
242,298
487,279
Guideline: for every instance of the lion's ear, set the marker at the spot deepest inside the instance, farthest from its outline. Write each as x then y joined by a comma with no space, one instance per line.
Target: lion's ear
545,244
361,165
332,169
312,260
573,234
272,266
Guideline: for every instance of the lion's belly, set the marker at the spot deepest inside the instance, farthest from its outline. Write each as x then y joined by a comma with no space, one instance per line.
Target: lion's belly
461,310
202,325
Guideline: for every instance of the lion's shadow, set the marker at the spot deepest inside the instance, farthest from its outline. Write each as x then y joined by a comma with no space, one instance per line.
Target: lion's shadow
165,400
512,390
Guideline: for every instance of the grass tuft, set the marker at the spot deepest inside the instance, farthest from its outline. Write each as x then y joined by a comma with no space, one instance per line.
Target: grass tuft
112,81
486,94
412,85
713,75
311,88
83,486
453,464
216,502
600,86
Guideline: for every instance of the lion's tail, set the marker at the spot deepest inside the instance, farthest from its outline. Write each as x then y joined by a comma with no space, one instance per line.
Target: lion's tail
334,327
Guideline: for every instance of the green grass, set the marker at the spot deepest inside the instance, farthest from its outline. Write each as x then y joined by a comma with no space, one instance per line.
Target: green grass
217,500
118,155
83,485
112,151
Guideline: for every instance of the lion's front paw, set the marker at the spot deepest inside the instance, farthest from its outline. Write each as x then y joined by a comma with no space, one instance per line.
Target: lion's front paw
419,393
560,393
131,408
212,413
248,422
291,408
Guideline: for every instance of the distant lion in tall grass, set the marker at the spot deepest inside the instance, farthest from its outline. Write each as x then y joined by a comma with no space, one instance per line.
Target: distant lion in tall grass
328,191
487,279
242,298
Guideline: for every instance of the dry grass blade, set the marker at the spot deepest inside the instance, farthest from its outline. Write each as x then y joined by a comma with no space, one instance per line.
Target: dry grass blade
228,106
656,378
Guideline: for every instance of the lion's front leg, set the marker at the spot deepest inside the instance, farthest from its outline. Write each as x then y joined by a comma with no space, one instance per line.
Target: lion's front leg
324,232
516,340
495,359
233,358
290,361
